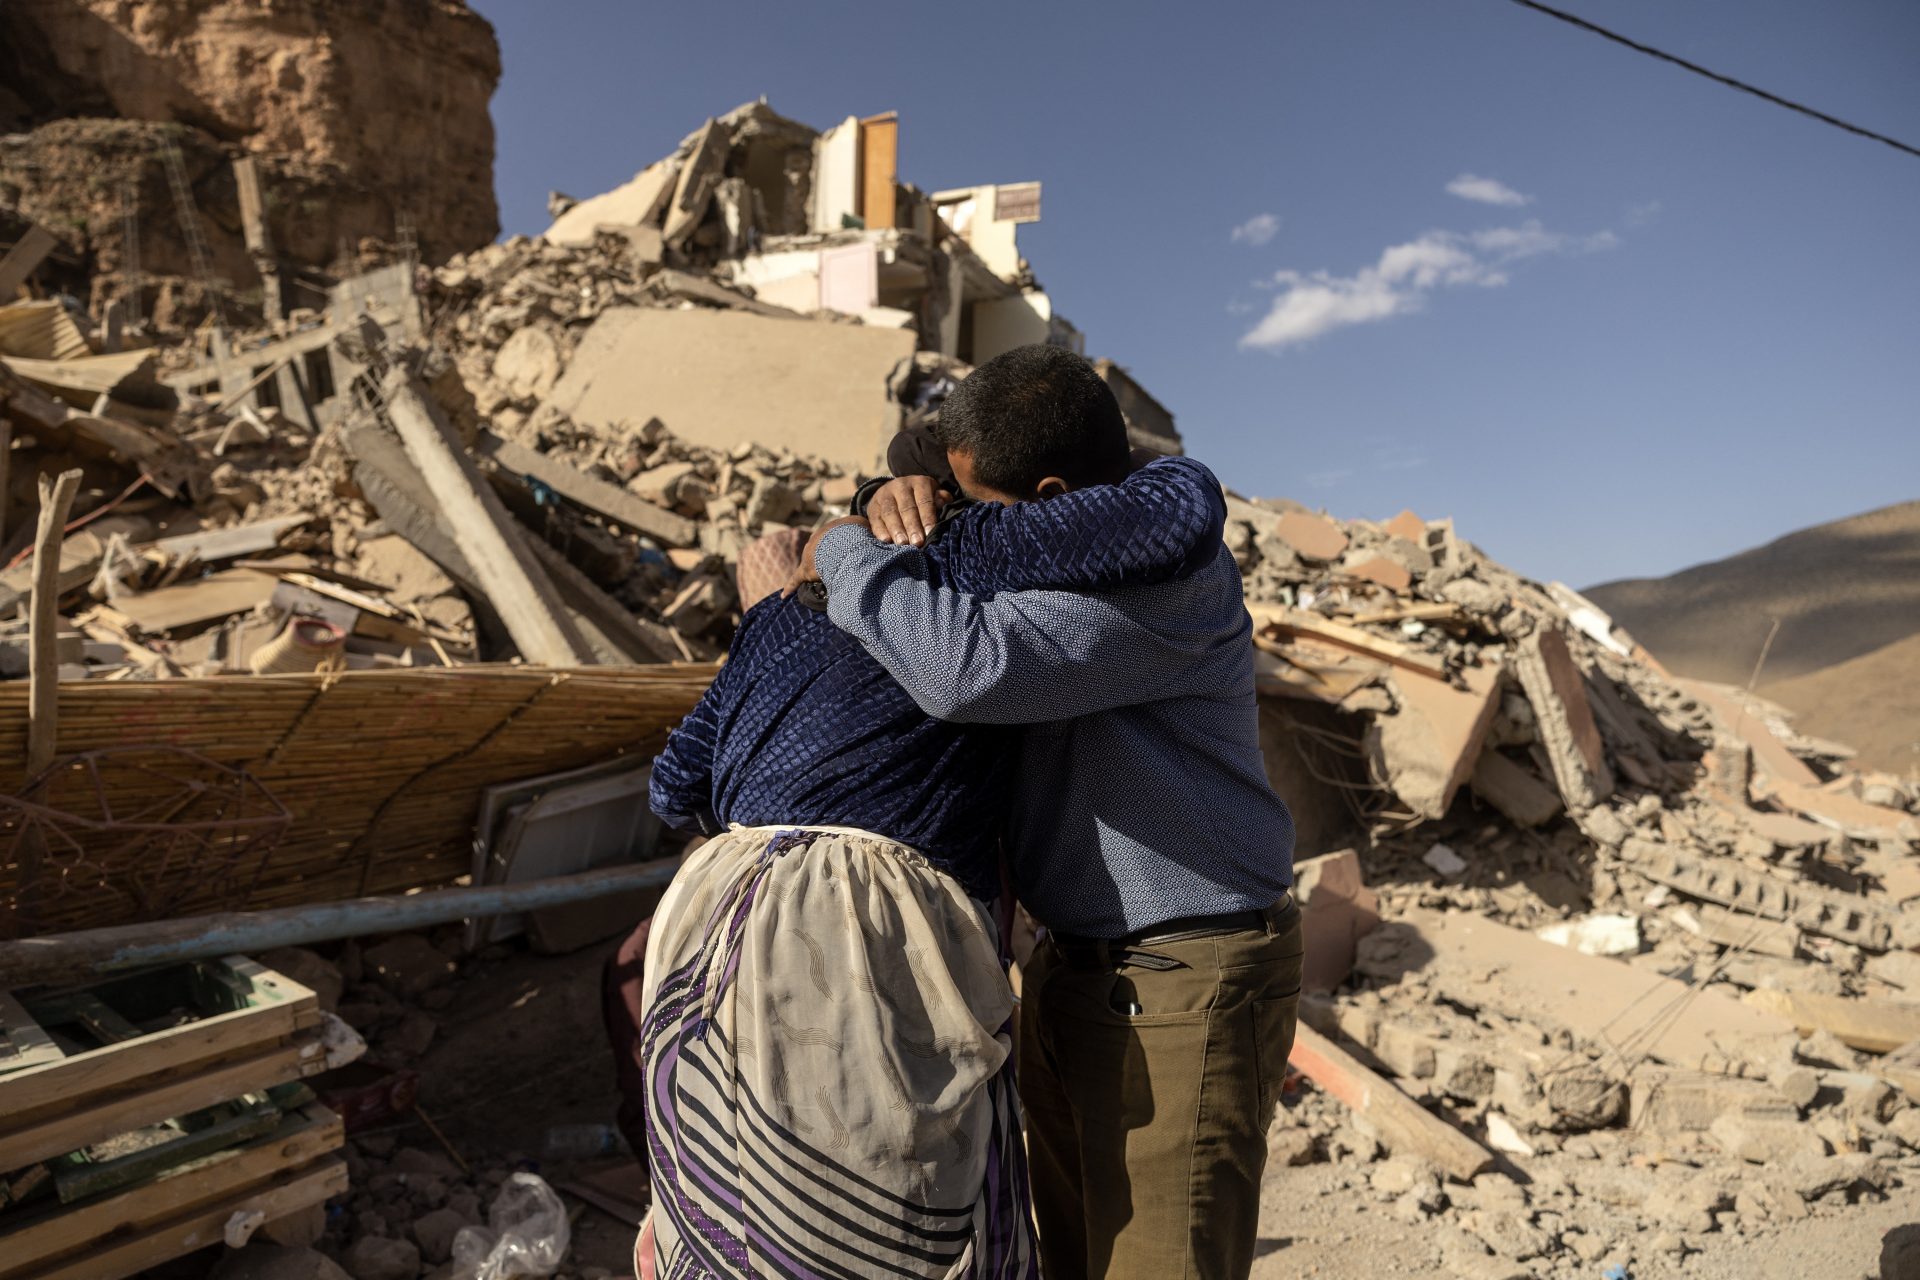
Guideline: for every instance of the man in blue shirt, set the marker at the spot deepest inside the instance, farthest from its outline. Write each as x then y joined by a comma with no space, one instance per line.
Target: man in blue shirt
1159,1010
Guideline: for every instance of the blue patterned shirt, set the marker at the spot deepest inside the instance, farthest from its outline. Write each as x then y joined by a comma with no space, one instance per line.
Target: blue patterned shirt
1141,794
803,727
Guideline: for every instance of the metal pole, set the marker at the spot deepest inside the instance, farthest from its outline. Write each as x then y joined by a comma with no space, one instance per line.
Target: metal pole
61,956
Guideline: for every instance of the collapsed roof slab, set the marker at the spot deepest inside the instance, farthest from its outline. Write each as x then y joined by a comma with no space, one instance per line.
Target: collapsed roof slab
719,378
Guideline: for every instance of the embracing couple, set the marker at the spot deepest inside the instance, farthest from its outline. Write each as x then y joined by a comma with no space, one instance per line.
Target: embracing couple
1042,692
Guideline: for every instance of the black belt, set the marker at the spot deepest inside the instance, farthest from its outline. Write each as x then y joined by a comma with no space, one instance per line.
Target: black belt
1125,949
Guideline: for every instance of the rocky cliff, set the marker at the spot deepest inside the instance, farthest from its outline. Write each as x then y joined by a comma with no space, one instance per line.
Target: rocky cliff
364,114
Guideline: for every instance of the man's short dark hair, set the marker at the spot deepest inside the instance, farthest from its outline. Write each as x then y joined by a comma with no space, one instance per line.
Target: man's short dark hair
1033,412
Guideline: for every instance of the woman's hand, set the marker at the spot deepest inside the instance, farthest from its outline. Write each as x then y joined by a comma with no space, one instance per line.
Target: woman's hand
806,571
905,510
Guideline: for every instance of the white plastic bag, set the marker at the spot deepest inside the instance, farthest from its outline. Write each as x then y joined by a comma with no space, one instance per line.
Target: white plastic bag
526,1234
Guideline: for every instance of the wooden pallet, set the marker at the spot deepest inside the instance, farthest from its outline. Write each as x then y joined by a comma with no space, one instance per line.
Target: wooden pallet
269,1034
119,1233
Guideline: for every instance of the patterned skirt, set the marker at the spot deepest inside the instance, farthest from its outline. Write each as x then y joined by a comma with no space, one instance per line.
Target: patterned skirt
830,1080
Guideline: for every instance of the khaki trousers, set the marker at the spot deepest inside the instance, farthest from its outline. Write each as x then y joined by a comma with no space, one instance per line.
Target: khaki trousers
1150,1075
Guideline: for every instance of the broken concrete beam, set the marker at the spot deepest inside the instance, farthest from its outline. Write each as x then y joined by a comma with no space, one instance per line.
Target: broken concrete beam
1479,964
670,285
1556,689
1514,790
493,545
1826,912
1426,749
1664,1100
1896,969
1876,1026
1740,931
1404,1125
1760,1140
1771,754
636,203
705,164
614,632
393,488
1336,911
610,501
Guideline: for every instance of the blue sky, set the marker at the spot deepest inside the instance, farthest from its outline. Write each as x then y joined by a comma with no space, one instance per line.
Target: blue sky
1442,254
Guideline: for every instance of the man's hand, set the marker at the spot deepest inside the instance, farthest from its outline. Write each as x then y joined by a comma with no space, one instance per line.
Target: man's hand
806,571
905,510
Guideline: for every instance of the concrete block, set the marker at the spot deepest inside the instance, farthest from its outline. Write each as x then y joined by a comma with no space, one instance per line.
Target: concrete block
1759,1140
1336,911
718,377
1677,1101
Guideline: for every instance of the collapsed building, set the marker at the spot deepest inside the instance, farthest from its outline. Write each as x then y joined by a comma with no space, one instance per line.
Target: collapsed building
372,610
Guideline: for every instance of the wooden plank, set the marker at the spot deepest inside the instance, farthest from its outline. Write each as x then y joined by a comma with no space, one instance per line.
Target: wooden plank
27,253
50,1235
879,161
288,1193
70,1130
1876,1026
1403,1124
1636,1011
611,501
1282,621
209,599
208,545
173,1051
23,1042
515,584
56,499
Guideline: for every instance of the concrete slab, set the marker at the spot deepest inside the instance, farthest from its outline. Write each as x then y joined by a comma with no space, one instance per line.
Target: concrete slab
717,378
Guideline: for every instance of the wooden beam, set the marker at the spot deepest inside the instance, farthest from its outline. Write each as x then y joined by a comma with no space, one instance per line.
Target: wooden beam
598,496
879,161
82,1075
20,261
512,579
1403,1124
53,1233
43,710
288,1193
1282,621
68,1129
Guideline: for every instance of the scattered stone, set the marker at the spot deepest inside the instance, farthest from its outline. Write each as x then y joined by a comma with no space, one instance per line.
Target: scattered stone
260,1260
435,1232
1760,1140
1503,1136
416,1160
379,1258
310,971
1289,1147
1900,1253
407,965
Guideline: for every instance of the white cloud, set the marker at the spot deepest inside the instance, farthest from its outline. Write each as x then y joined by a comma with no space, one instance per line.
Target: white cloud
1399,282
1642,214
1486,191
1258,229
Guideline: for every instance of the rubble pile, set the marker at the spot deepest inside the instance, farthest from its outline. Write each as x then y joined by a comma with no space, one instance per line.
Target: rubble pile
1601,961
1646,944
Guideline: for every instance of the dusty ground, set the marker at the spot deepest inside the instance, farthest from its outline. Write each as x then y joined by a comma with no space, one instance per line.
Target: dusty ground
1313,1223
520,1048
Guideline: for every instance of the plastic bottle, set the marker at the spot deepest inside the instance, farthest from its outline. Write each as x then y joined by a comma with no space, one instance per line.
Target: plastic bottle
582,1141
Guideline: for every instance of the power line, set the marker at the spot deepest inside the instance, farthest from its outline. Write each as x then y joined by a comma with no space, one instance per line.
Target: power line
1729,81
